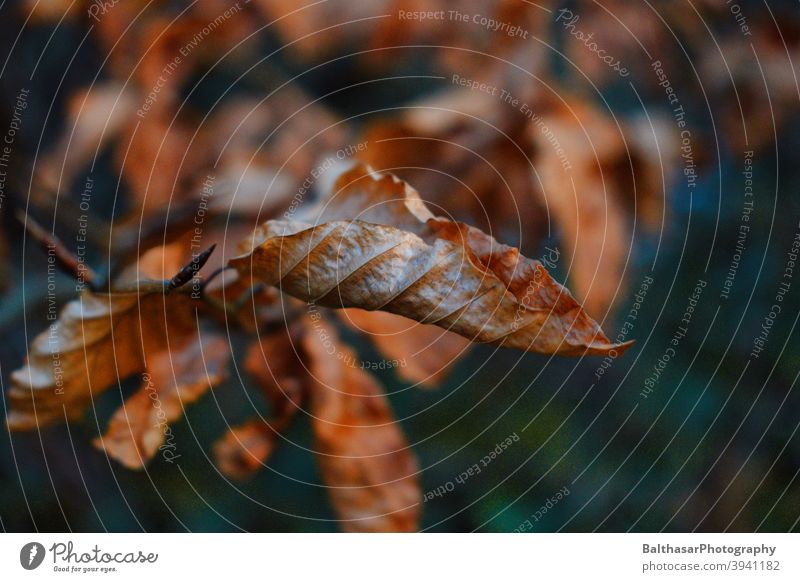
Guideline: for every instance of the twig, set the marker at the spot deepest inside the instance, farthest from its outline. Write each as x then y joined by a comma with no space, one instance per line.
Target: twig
183,276
188,272
68,262
214,274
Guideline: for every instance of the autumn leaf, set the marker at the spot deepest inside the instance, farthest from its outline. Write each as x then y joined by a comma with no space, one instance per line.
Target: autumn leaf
423,354
470,157
562,165
578,185
142,37
273,361
174,378
101,339
375,245
264,150
157,161
244,449
364,458
74,359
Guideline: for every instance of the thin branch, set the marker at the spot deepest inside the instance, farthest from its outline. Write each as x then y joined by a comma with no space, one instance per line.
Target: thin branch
188,272
183,276
214,274
67,262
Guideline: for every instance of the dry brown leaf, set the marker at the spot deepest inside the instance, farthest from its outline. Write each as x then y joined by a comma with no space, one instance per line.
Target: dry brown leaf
584,199
424,268
422,354
173,379
244,449
96,341
606,176
275,364
159,43
364,457
156,158
99,340
205,32
510,169
267,151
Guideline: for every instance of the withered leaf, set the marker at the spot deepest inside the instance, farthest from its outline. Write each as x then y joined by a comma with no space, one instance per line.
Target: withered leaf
470,157
363,456
100,339
157,160
274,362
244,449
376,246
583,195
422,354
174,379
95,342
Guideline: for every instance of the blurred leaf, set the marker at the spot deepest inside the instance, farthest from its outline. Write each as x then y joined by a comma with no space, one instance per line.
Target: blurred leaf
365,460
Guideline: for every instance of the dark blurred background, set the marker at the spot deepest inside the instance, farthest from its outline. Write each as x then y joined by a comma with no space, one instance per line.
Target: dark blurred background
713,446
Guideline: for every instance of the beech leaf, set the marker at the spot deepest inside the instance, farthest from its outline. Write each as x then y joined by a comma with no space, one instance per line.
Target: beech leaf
99,340
274,363
363,456
174,379
422,354
374,245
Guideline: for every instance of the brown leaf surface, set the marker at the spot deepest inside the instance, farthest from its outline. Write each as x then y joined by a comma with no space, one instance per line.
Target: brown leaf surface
95,341
274,363
173,380
141,38
556,163
266,152
158,161
363,456
429,269
424,354
99,340
583,199
244,449
607,180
